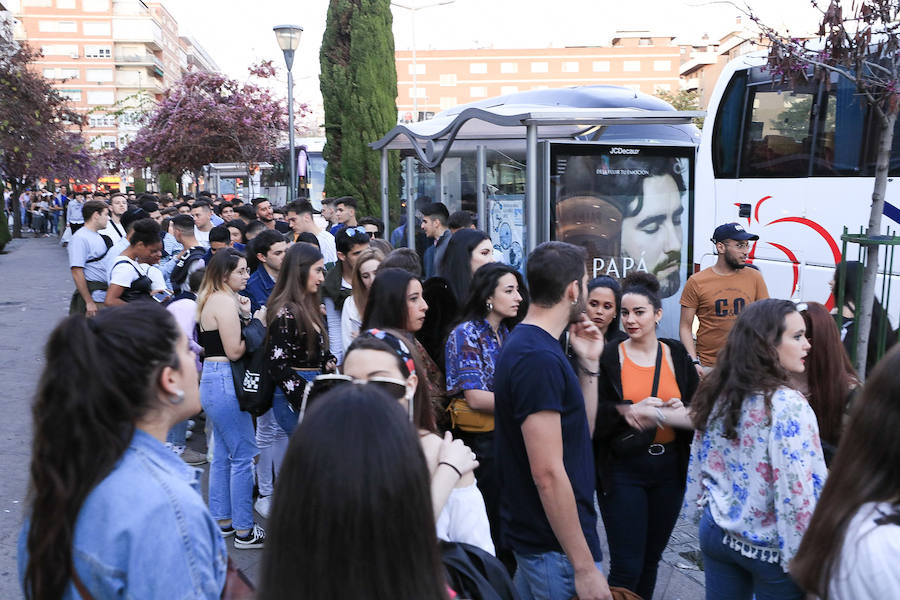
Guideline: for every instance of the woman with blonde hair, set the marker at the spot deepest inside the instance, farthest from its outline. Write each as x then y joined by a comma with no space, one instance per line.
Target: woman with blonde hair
221,312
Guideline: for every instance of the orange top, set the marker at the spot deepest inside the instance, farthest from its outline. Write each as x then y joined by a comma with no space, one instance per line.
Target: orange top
637,383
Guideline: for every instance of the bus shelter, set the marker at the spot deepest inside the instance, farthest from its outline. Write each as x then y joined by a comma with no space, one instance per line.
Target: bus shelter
527,125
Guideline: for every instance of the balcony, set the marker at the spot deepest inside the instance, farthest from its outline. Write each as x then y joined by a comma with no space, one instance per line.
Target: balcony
137,79
140,60
138,30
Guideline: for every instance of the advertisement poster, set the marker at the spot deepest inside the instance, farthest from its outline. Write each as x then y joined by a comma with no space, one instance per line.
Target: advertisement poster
506,226
629,207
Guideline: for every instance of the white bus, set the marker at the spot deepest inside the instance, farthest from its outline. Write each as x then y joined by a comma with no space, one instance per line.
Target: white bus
793,165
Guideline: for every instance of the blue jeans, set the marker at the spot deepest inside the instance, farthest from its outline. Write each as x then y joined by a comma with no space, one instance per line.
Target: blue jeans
177,436
733,576
234,447
282,412
640,504
547,576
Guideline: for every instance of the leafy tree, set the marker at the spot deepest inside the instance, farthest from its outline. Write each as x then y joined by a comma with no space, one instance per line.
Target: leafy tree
207,118
862,47
39,133
683,100
359,90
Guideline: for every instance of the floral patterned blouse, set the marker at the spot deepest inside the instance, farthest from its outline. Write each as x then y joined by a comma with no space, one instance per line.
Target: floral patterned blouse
471,352
762,487
287,349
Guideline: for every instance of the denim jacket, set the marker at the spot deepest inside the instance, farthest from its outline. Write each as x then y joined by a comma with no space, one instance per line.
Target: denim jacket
145,532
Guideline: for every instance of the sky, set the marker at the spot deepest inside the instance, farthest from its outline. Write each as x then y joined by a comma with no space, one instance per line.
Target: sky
237,33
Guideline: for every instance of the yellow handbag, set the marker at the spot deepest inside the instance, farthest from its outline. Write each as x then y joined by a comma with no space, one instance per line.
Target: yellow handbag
468,419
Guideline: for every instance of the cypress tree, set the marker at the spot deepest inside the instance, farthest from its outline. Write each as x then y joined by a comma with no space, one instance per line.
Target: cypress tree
359,92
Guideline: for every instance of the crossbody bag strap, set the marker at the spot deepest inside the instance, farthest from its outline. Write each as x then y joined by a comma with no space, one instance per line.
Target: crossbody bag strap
659,353
79,585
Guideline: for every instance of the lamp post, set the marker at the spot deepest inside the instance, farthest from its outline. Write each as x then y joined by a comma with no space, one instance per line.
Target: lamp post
288,37
413,10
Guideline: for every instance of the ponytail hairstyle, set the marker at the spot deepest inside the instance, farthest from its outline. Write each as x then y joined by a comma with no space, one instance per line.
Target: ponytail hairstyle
100,378
219,268
642,284
145,231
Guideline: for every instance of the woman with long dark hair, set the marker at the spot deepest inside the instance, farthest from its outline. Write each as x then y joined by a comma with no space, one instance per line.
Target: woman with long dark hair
395,302
881,328
298,338
368,533
829,381
497,301
467,250
851,547
757,468
642,438
458,505
111,511
604,298
221,311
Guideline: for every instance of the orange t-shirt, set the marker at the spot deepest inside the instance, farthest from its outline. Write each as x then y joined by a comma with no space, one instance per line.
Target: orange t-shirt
637,383
718,300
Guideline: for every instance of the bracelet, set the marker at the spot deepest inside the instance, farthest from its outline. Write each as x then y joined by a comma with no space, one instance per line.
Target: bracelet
458,472
696,361
588,371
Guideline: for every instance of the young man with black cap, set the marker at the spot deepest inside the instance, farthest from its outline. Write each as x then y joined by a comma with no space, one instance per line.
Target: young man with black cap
717,295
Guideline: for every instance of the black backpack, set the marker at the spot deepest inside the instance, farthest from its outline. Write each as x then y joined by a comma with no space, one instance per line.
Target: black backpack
140,287
475,574
253,385
183,265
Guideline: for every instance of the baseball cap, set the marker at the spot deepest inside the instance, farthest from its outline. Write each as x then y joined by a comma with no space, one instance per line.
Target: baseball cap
732,231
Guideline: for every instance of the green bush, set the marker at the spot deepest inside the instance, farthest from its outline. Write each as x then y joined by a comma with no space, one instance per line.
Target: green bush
140,185
167,183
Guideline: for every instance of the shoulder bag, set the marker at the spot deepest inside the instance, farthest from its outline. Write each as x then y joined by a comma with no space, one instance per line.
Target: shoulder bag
634,440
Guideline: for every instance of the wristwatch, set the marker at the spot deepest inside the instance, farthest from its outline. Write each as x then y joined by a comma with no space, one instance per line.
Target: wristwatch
696,361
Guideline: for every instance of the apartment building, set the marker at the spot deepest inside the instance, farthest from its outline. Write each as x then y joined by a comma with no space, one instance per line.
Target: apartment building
640,60
705,60
111,58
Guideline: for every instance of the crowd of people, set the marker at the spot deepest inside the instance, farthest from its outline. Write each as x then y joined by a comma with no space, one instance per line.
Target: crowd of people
452,435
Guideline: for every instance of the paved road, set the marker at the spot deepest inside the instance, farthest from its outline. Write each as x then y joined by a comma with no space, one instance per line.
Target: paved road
34,295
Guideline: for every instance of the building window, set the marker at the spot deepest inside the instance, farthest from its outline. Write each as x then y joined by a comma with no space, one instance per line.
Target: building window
102,121
631,65
448,102
508,89
570,67
37,3
600,66
97,28
58,26
662,65
662,87
645,42
100,97
509,67
73,95
448,79
97,52
60,50
418,92
539,67
98,75
478,68
420,68
95,5
61,73
108,142
478,91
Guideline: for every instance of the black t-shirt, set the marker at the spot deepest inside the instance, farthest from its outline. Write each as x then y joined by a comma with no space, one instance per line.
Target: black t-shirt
533,375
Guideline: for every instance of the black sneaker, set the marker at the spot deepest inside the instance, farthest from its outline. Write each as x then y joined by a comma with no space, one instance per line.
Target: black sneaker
226,530
256,538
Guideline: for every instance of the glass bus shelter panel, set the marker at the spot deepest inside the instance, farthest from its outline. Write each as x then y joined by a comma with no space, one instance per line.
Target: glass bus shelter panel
629,207
505,203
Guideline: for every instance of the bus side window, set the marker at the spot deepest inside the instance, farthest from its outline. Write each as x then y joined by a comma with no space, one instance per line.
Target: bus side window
839,138
778,135
727,130
871,147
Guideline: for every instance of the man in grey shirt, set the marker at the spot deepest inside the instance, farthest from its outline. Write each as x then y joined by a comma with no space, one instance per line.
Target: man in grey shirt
73,213
87,248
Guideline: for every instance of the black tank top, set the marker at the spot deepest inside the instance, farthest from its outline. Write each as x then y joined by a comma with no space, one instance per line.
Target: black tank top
212,343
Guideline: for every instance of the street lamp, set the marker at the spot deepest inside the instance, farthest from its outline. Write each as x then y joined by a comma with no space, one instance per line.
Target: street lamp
414,10
288,37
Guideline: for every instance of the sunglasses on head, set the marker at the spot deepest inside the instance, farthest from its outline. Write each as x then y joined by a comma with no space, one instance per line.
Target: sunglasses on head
321,385
352,231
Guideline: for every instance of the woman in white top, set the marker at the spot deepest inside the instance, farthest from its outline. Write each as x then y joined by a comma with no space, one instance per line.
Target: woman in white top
851,550
458,505
355,306
130,276
756,467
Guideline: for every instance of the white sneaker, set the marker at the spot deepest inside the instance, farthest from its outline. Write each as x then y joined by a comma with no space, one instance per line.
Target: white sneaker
263,506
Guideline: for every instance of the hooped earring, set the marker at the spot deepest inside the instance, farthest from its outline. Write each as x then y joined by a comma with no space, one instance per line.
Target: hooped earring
177,397
490,306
